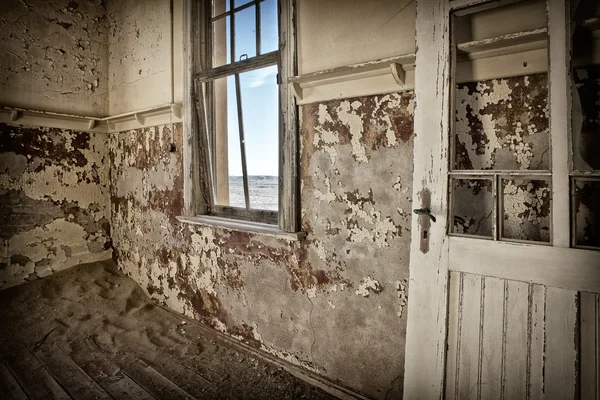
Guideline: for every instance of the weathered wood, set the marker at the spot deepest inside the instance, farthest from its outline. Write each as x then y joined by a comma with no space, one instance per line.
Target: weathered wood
545,265
121,386
469,341
560,118
589,335
536,341
185,378
289,192
426,326
491,349
506,44
71,377
354,80
106,373
515,348
250,64
453,334
152,381
33,377
9,387
561,354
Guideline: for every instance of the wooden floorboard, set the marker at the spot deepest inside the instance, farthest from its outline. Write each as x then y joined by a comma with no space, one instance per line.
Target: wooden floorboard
9,387
74,379
33,377
91,333
152,381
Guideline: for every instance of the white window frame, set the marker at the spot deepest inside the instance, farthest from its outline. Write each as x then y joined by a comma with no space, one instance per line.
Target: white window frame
199,191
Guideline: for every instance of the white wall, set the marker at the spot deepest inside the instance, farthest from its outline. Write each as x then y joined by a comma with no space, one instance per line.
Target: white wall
53,56
337,33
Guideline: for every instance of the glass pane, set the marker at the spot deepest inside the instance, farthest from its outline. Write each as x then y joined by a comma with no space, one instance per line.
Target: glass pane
239,3
245,33
502,124
586,118
587,212
473,207
526,209
260,105
221,42
585,64
228,164
269,30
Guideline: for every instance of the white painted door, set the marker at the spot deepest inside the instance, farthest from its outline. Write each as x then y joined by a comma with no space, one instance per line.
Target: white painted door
500,304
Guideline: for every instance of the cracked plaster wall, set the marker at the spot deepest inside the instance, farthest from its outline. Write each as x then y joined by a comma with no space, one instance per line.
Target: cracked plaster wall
503,124
139,60
53,201
333,303
54,56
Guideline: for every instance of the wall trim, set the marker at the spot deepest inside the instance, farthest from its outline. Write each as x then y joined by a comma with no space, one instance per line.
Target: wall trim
388,75
159,115
312,378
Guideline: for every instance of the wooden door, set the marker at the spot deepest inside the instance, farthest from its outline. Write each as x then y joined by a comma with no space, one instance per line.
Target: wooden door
503,296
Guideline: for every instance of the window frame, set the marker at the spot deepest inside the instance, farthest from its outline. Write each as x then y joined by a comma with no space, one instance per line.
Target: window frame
286,217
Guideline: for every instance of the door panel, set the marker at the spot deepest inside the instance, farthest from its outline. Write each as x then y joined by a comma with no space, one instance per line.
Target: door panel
510,340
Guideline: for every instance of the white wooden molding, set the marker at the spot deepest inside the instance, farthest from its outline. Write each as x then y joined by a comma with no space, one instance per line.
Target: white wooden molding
545,265
242,226
560,119
505,44
164,114
388,75
398,73
425,350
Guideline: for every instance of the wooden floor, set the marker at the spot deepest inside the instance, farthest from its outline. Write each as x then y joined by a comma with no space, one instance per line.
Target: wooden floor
90,333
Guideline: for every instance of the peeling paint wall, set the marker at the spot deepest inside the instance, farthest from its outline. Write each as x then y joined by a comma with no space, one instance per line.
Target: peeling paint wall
53,201
503,124
140,56
333,303
54,56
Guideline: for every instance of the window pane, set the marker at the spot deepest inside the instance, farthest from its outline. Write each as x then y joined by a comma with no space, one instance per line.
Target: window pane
269,31
239,3
260,105
502,124
221,42
228,164
587,212
526,209
245,33
473,207
586,118
585,74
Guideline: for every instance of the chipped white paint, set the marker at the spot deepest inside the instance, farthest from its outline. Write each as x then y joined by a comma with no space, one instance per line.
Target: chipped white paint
366,286
401,287
55,58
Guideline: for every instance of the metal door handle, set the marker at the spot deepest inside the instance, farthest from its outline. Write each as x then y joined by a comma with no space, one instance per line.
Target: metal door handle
424,211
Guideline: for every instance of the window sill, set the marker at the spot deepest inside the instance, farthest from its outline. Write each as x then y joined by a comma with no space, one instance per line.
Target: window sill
242,226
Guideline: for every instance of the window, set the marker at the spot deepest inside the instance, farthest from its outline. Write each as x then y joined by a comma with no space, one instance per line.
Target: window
247,118
500,167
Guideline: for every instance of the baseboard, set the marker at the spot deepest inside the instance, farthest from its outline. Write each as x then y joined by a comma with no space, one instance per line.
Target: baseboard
316,380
